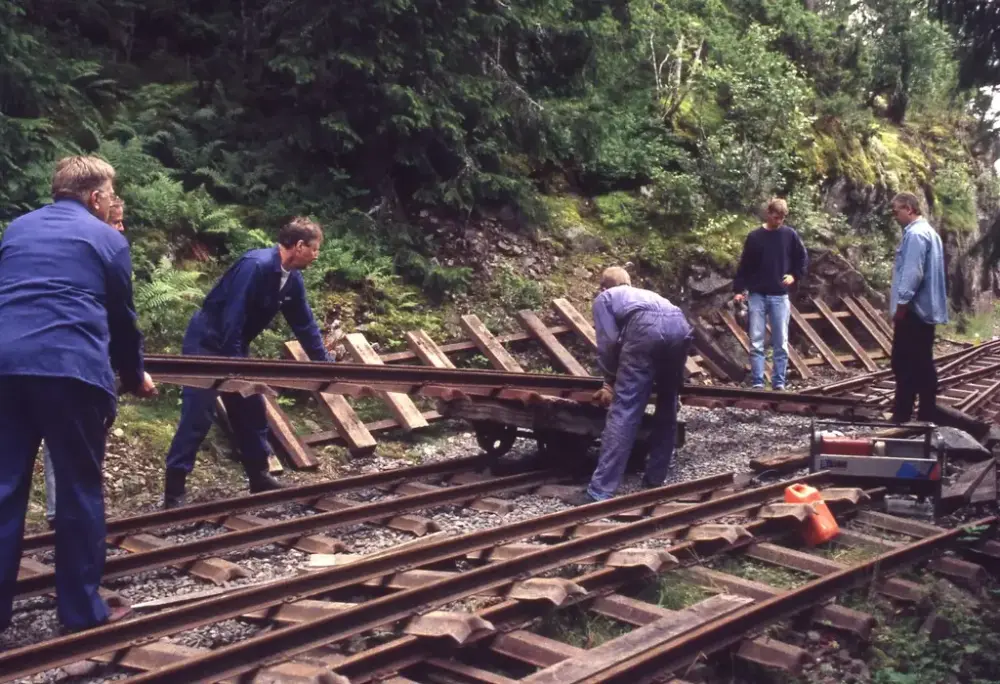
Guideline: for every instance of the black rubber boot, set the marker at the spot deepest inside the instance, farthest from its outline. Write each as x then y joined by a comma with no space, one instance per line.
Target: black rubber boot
173,491
262,482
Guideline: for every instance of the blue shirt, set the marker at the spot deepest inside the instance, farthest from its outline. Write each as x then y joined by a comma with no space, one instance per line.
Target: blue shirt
612,309
66,299
768,255
918,277
245,301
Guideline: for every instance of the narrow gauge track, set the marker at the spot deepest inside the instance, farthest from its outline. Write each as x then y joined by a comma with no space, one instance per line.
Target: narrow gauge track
968,380
513,573
248,375
293,530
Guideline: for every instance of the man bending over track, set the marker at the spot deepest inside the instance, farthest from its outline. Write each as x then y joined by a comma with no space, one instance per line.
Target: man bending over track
239,307
642,344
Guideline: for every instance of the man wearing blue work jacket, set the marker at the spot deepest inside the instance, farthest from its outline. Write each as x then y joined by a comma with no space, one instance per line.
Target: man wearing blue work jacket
642,344
244,302
67,321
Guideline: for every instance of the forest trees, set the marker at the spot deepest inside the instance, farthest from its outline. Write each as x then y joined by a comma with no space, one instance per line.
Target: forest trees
227,116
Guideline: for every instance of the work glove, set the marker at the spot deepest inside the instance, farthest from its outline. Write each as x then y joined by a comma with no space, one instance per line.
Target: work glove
603,396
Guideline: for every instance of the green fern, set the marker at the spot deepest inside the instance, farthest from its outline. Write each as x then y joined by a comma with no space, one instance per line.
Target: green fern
164,303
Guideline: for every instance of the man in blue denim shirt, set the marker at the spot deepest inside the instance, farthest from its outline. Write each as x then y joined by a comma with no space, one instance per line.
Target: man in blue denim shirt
773,259
918,302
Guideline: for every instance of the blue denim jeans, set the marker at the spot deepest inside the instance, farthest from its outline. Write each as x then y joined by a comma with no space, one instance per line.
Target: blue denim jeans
654,348
773,309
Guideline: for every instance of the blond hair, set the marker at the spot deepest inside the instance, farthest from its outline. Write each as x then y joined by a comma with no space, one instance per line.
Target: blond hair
614,276
77,177
908,200
778,207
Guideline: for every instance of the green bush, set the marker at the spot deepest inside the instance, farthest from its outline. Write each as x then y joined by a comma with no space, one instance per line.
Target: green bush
165,303
515,292
955,199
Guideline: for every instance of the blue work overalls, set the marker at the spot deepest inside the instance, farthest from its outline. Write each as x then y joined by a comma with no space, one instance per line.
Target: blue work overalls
642,344
244,302
66,318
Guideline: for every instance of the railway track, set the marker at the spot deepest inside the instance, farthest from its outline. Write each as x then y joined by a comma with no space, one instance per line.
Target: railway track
410,603
968,380
449,384
526,568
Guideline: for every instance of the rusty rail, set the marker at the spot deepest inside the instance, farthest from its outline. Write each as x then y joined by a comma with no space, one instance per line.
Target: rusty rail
46,655
211,510
244,375
119,566
728,630
246,655
392,657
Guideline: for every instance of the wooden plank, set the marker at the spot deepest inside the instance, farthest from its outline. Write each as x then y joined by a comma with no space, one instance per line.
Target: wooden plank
427,350
401,406
717,360
351,428
741,335
877,316
441,670
222,420
283,435
533,649
692,367
816,340
708,362
638,640
868,324
533,324
376,427
468,345
798,363
818,316
966,483
845,334
576,321
489,345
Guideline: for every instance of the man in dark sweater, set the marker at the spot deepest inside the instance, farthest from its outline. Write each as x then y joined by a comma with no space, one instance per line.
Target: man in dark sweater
773,259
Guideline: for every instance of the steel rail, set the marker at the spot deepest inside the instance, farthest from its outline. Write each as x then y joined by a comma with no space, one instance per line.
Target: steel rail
974,402
35,658
211,510
354,378
262,650
390,658
227,542
955,359
946,383
725,631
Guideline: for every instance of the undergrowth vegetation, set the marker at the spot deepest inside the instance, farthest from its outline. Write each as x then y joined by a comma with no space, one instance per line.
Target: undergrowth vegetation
653,130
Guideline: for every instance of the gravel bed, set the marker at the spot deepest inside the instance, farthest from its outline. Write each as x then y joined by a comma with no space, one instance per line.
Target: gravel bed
718,441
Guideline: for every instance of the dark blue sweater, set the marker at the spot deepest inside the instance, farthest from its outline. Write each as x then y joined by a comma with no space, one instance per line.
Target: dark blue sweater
767,256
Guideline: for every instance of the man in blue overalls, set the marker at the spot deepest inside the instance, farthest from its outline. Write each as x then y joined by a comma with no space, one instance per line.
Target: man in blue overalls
642,344
66,320
244,302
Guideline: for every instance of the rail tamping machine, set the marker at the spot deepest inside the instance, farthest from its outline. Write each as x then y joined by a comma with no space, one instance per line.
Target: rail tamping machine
910,465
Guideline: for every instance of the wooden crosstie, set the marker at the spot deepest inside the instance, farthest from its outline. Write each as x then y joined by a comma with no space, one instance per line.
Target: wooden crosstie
853,336
850,335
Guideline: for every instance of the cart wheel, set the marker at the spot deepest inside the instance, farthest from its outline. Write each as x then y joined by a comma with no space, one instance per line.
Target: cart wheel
495,439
